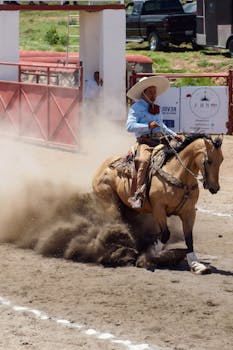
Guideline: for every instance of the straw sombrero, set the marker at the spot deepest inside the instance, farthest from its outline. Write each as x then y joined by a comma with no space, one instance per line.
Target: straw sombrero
136,90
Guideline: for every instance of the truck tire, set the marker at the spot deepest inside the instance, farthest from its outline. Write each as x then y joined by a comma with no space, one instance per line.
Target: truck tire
230,46
195,46
154,42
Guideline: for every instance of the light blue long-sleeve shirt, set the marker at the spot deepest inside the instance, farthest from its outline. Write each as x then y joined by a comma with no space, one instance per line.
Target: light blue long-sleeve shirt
139,118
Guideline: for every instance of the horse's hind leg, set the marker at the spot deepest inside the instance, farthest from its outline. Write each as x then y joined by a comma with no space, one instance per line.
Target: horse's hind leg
106,196
160,219
156,242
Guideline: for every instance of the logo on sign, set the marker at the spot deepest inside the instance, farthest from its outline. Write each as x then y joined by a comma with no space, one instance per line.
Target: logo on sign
204,102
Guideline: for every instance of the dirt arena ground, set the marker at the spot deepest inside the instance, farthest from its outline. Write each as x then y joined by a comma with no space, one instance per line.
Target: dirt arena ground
49,303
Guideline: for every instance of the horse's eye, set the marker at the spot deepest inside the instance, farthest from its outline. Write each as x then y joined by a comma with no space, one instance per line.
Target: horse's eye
209,162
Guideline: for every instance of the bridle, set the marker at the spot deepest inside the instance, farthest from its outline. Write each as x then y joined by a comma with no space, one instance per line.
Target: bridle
204,161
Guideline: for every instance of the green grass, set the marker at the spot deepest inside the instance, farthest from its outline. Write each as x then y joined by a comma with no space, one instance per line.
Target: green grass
35,27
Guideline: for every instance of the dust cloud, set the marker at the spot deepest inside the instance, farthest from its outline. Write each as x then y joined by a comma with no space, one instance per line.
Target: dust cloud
47,204
46,200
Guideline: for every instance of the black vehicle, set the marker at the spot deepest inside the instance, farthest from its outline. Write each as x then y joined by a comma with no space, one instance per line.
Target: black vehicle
214,24
159,22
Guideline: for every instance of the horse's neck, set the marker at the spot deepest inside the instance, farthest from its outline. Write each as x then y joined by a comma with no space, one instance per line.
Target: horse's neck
185,163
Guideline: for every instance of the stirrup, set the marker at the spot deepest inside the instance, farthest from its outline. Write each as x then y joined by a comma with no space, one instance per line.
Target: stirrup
135,202
140,191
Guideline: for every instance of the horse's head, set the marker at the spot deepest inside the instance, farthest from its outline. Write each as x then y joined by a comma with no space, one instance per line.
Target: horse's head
210,164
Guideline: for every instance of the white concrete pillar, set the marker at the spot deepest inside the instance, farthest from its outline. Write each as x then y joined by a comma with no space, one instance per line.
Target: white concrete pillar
89,44
113,63
9,43
102,48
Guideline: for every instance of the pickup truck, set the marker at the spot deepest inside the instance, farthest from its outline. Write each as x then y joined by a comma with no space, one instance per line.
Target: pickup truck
159,22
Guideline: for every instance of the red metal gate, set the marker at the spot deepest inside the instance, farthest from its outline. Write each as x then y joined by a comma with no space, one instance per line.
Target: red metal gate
44,113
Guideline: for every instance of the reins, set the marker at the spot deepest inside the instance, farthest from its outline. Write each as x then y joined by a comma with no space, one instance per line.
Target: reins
172,180
181,162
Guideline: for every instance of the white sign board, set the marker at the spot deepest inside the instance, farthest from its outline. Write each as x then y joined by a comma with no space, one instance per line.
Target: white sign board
204,109
170,108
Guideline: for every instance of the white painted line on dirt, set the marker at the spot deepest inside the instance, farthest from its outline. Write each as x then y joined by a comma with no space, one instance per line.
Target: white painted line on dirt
211,212
89,332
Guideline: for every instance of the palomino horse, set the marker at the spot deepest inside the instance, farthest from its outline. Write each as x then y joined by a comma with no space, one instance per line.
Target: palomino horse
173,190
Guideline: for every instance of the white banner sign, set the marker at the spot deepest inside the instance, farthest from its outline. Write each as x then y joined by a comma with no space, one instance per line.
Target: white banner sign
198,109
170,108
204,109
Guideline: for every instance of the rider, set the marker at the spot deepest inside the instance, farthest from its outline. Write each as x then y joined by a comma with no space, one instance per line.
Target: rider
145,120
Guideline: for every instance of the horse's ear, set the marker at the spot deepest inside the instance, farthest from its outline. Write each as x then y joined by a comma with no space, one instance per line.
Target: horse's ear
218,141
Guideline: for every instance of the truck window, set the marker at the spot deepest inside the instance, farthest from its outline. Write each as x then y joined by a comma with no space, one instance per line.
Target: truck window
171,5
133,8
129,9
161,6
151,7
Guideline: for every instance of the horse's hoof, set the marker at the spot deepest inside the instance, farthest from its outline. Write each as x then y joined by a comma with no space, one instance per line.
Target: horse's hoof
199,268
170,257
144,263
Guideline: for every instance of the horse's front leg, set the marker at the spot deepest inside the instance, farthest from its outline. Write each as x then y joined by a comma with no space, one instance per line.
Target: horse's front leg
188,219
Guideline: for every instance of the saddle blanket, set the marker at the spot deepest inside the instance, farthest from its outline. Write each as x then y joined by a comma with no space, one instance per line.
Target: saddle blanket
125,165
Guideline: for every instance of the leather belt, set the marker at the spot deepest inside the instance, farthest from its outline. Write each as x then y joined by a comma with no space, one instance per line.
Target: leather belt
151,135
150,139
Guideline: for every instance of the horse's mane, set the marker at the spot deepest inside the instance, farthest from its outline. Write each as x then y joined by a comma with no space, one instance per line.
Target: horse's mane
189,139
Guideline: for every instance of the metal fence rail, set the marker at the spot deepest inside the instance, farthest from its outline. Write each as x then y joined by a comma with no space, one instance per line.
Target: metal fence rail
47,71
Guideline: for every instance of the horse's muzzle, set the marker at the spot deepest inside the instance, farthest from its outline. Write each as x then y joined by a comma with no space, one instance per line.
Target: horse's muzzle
213,189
